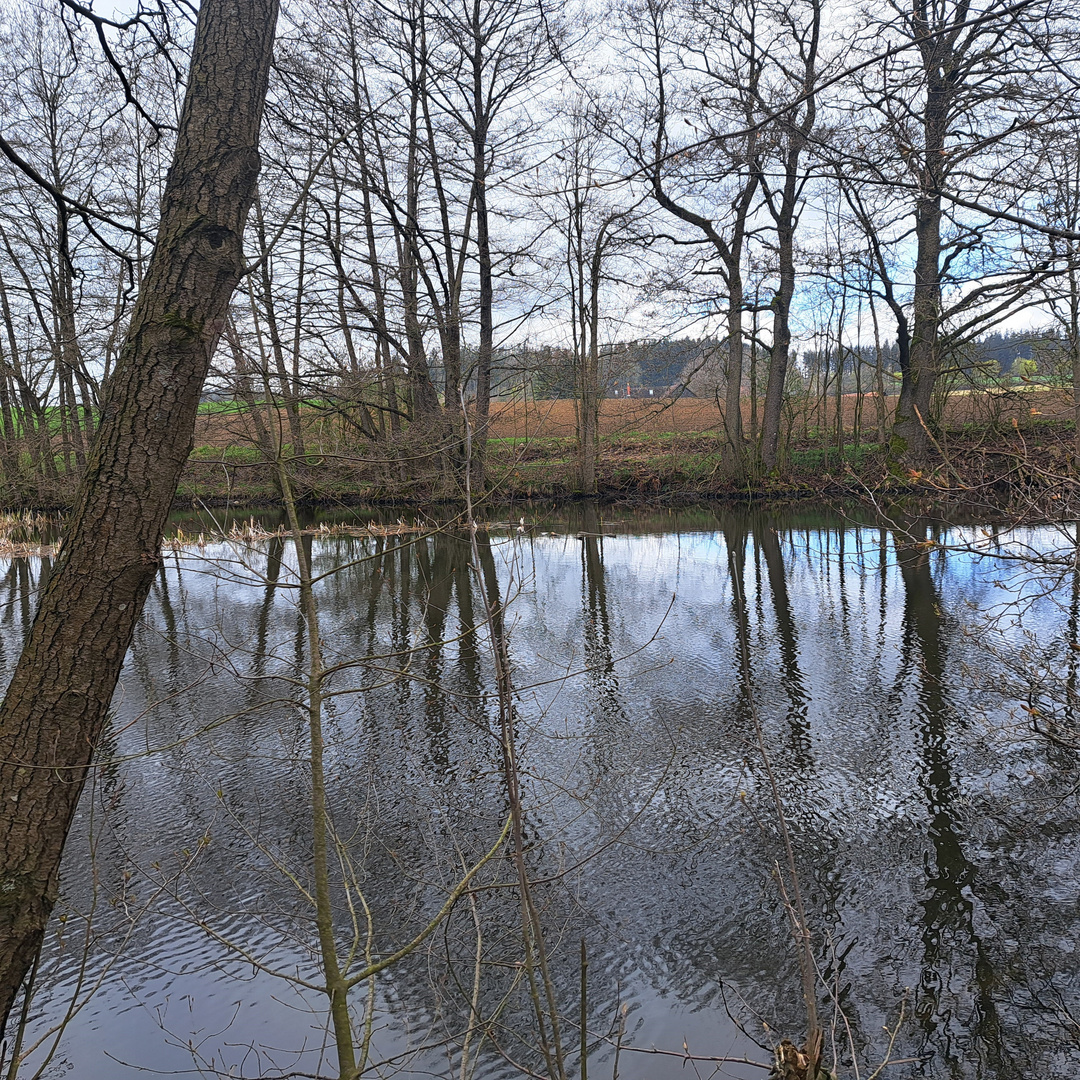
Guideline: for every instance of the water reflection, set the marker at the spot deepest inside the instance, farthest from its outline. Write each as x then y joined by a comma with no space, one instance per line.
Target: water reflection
767,541
934,847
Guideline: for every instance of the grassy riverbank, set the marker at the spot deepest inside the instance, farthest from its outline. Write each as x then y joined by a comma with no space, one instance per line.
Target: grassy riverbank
1028,462
994,449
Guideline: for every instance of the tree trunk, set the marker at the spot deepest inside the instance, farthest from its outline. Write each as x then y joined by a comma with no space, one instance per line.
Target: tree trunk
734,449
590,390
287,387
58,700
244,389
485,348
1072,336
779,354
425,401
911,440
786,216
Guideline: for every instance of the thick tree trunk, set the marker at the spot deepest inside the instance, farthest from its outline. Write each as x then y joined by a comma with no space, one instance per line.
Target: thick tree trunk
911,440
734,449
58,700
779,355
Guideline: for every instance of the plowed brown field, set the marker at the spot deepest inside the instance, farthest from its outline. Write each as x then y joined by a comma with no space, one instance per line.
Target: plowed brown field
624,416
633,416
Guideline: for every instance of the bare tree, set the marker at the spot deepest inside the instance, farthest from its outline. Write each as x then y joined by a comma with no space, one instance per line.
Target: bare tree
58,699
1058,192
697,147
598,225
954,113
491,54
794,67
59,279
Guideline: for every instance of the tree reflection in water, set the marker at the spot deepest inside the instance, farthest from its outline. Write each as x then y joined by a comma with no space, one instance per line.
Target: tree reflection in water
932,848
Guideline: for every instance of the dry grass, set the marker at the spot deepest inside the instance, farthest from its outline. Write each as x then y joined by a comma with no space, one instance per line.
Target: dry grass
25,535
623,416
251,531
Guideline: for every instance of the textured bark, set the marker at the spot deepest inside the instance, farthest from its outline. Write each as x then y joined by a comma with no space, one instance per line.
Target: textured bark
58,699
733,452
911,438
780,353
911,442
785,212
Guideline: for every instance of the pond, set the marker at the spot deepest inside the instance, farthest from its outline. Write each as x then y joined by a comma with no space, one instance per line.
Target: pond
679,679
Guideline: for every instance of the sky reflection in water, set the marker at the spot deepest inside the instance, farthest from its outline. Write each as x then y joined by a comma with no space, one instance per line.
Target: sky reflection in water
935,839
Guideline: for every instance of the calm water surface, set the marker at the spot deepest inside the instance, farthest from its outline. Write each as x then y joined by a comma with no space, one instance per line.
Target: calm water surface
936,839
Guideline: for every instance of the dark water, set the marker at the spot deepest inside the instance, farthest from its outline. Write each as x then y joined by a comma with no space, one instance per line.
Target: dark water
934,835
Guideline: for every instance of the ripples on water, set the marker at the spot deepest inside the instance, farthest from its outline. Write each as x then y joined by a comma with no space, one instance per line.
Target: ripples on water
935,839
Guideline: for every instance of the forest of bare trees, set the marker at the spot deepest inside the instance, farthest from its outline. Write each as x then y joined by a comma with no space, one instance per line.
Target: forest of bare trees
417,207
449,187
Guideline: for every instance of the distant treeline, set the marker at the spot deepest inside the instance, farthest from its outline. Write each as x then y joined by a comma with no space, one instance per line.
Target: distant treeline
990,355
548,371
682,365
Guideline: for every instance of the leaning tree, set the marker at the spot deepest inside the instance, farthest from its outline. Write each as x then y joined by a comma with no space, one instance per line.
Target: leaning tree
58,700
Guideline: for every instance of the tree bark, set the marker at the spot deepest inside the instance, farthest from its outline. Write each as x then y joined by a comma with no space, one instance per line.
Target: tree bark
58,700
590,389
733,452
911,440
786,216
911,437
485,350
780,353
